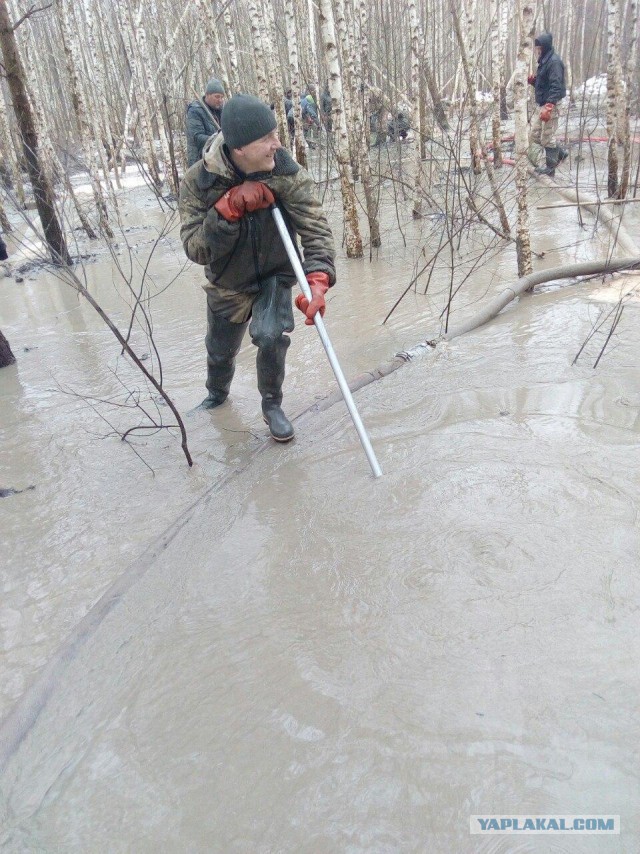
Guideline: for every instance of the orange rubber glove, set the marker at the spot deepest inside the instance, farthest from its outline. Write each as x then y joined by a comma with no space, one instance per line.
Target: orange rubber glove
247,197
545,112
319,284
531,79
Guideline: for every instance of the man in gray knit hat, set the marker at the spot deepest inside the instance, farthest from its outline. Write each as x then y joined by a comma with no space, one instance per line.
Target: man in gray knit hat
203,119
228,228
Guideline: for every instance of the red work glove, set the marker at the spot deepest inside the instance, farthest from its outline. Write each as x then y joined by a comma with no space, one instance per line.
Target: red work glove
545,112
319,284
245,198
531,79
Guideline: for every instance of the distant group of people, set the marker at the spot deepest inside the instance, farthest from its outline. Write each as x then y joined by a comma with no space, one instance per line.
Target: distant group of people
238,171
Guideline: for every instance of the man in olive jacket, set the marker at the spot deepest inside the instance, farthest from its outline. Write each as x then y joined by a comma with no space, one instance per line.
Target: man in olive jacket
228,228
550,90
203,119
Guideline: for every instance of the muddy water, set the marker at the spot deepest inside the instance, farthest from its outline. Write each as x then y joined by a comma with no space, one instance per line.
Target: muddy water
318,661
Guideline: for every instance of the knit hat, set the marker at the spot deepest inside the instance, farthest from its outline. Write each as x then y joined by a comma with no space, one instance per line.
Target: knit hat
245,119
214,87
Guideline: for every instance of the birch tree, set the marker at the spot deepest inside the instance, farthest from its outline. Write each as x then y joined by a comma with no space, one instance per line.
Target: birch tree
353,239
496,82
613,96
85,126
365,163
417,123
526,19
294,81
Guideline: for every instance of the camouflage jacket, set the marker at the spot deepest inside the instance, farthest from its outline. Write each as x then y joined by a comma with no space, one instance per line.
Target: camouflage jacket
237,255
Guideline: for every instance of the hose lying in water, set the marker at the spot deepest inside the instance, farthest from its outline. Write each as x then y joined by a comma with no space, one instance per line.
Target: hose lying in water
491,310
567,271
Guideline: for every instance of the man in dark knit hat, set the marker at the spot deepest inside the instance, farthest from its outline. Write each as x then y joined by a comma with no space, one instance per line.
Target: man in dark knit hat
550,90
203,119
228,228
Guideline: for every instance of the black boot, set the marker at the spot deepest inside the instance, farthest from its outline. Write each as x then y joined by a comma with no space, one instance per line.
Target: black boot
270,367
562,154
552,155
223,342
271,317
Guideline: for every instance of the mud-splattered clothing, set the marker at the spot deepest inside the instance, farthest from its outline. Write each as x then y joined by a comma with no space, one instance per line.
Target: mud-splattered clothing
238,255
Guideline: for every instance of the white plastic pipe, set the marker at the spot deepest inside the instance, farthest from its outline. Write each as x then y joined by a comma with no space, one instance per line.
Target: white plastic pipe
326,343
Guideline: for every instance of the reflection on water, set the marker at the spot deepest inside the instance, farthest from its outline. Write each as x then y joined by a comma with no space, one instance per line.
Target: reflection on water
318,661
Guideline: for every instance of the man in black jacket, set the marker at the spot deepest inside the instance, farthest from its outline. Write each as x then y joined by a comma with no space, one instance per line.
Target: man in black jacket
550,90
203,119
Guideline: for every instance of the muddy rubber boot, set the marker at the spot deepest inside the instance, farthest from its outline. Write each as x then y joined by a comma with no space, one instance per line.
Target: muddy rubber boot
552,155
272,316
270,367
223,341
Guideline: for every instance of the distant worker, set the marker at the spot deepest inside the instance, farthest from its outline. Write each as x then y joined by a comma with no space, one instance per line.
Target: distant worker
326,108
550,90
398,128
203,123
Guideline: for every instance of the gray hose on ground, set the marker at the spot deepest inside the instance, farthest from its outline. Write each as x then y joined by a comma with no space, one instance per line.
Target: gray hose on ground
567,271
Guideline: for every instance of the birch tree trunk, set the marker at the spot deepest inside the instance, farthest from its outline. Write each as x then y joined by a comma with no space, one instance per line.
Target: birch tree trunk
231,47
467,62
294,82
148,95
496,81
42,189
10,154
85,127
503,31
628,95
138,90
101,122
365,163
352,229
613,94
417,123
256,38
313,39
526,19
348,82
272,62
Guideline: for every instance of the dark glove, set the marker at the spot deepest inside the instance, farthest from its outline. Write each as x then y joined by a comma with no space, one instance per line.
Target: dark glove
545,112
531,79
319,285
247,197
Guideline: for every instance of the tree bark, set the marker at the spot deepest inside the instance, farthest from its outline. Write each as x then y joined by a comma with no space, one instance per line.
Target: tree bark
6,356
613,84
352,228
526,17
42,189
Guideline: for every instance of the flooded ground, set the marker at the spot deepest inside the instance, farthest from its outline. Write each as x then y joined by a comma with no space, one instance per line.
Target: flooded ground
308,659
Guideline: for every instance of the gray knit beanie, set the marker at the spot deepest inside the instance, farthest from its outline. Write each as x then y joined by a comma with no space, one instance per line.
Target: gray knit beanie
214,87
245,119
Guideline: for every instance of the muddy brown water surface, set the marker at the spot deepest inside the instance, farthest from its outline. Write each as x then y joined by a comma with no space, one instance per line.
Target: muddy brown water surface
315,660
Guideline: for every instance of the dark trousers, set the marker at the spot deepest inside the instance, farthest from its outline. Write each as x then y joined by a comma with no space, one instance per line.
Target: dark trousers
271,318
